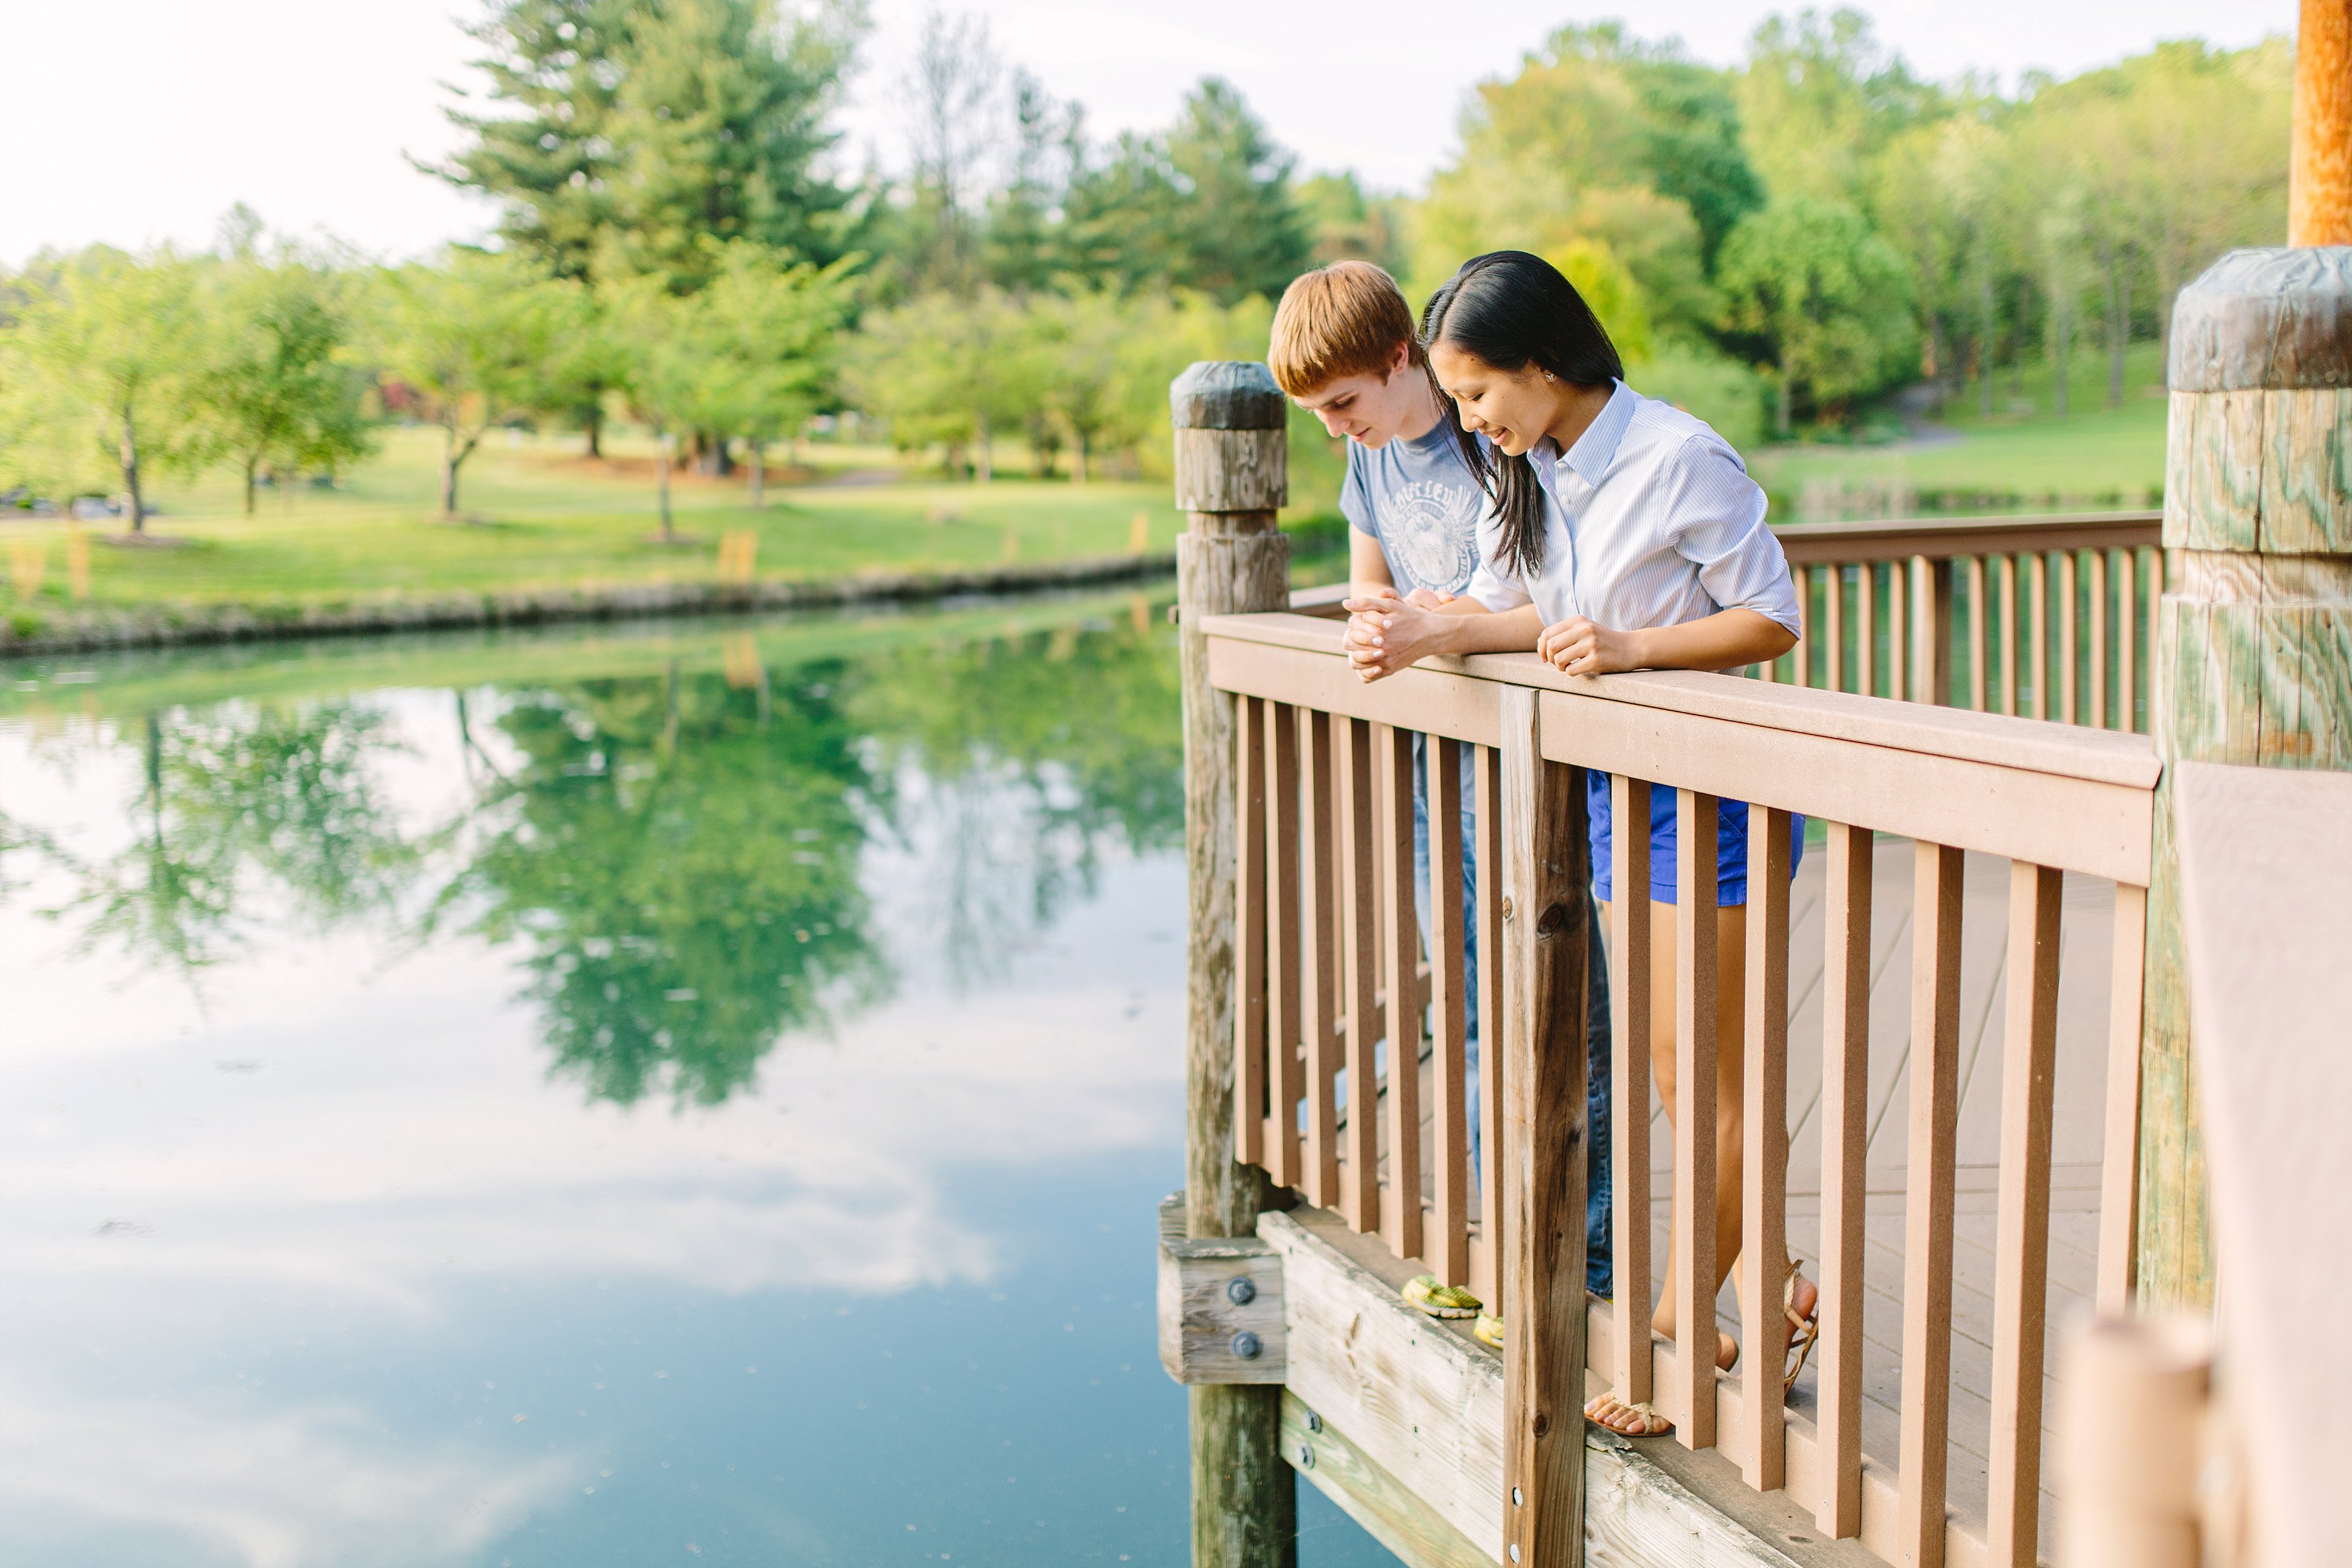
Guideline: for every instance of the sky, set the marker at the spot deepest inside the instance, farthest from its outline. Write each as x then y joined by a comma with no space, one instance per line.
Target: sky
139,121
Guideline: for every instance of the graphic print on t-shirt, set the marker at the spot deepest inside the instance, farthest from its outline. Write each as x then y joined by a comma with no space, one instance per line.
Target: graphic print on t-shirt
1430,533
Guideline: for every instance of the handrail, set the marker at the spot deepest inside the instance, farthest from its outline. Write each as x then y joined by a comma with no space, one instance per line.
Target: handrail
1941,539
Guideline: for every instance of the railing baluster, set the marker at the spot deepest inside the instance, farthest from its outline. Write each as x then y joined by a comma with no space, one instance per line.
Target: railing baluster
1449,1256
1321,921
2119,1155
2097,639
2069,644
1764,1116
1285,1031
2008,639
1694,1094
1979,642
1834,679
1400,951
1899,664
2127,640
2037,567
2022,1236
1845,1142
1802,657
1249,934
1629,1065
1487,763
1361,1196
1866,620
1927,1205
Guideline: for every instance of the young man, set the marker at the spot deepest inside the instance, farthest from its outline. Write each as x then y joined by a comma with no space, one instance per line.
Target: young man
1344,349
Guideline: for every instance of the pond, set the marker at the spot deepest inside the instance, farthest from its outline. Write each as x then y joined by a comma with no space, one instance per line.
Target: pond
684,1092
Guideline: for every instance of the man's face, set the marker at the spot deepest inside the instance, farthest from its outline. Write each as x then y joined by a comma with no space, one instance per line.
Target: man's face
1368,409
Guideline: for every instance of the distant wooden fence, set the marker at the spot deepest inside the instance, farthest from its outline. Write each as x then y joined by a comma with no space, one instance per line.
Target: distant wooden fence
1328,952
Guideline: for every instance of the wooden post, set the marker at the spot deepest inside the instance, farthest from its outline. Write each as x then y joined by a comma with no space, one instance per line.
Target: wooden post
1231,476
2253,660
1545,870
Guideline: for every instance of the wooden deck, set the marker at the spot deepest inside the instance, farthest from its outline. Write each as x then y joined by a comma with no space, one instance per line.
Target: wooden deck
2074,1187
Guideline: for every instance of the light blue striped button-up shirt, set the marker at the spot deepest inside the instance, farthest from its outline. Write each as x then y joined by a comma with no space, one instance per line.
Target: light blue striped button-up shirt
1650,519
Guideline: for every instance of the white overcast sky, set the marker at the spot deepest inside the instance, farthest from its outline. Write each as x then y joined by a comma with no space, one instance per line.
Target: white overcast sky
136,122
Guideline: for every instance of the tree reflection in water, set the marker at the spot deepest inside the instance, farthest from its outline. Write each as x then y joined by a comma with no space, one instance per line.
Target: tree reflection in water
235,800
685,872
675,853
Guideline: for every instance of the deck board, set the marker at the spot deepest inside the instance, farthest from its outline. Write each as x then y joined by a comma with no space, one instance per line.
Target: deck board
2086,920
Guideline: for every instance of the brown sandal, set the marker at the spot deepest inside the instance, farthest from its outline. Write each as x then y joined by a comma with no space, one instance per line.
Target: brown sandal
1803,1332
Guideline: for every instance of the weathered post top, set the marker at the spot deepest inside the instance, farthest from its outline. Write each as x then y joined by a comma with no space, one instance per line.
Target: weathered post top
2274,318
1231,456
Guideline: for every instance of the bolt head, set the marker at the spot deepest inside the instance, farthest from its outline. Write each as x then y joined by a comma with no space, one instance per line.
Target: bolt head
1306,1457
1314,1422
1246,1345
1241,1290
1516,1499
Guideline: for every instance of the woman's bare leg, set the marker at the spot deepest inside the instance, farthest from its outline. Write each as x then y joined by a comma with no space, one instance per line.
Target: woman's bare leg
1767,1327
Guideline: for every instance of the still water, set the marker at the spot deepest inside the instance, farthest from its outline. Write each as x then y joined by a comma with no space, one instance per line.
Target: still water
692,1092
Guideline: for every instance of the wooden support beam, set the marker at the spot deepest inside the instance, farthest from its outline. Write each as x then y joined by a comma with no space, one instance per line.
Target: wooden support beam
1220,1305
1545,871
1229,418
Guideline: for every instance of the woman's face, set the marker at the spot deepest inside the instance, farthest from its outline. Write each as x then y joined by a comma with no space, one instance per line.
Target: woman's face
1510,408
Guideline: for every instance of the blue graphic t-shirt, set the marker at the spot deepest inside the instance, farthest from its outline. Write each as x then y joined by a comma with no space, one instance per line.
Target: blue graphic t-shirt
1419,500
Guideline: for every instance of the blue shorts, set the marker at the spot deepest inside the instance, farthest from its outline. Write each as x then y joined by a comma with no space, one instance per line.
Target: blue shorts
1730,843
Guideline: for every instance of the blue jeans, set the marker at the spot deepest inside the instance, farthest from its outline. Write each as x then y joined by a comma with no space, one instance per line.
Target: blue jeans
1598,1277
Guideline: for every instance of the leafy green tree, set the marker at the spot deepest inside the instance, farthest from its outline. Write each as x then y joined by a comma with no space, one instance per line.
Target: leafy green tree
484,338
666,378
1207,205
769,331
948,371
274,384
1818,97
1824,299
620,131
1083,340
1023,246
1349,221
1599,141
1237,226
104,356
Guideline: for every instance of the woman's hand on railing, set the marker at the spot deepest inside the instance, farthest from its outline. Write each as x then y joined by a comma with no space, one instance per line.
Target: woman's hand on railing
1577,646
1727,640
1386,634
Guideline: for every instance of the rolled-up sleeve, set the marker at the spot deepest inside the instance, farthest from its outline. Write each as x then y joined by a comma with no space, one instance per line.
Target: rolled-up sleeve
1718,526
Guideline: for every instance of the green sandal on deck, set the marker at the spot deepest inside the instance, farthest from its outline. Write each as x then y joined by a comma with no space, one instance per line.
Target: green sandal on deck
1425,1294
1489,1330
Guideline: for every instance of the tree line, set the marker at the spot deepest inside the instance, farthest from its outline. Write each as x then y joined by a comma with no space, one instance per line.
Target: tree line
682,239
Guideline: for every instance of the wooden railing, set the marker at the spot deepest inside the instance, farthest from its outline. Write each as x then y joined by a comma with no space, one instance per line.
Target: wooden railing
1328,989
2045,617
2041,617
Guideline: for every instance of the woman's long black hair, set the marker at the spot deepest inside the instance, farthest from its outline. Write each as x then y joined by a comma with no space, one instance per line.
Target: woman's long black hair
1513,310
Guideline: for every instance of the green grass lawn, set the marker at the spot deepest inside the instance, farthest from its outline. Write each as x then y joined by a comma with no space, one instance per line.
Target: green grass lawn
2023,456
540,515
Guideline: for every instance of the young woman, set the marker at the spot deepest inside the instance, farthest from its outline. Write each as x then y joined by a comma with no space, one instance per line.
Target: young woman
1626,535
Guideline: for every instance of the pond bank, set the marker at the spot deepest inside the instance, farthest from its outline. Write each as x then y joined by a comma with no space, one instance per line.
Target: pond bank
163,625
